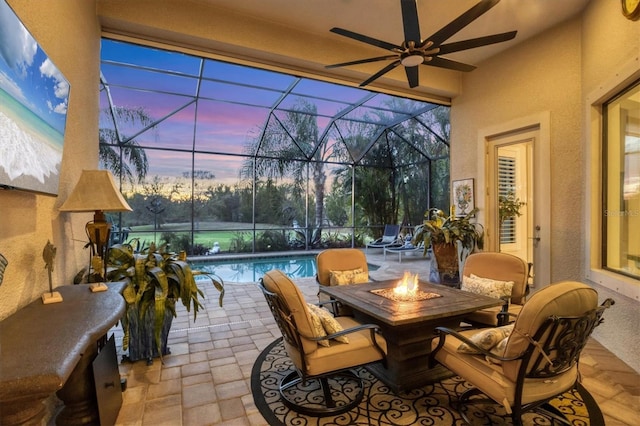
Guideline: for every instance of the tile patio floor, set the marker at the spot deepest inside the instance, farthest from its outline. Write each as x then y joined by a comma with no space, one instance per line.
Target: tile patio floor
206,378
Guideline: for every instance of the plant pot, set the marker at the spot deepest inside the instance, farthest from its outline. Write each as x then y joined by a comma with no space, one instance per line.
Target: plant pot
446,264
142,343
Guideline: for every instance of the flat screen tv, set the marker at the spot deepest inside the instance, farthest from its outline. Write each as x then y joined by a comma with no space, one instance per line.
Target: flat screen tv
33,110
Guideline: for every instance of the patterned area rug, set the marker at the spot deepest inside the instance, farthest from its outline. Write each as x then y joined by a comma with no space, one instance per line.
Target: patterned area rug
430,405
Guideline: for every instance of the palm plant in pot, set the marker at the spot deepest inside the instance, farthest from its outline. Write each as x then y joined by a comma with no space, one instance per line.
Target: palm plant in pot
155,280
451,238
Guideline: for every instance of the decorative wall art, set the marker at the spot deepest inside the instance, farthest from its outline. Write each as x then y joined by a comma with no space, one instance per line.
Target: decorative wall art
462,196
34,96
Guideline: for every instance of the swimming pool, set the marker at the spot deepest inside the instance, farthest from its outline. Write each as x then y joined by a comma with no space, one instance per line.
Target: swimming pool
251,270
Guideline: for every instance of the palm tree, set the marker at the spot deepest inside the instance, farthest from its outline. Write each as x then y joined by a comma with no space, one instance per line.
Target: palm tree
393,176
375,191
122,155
286,147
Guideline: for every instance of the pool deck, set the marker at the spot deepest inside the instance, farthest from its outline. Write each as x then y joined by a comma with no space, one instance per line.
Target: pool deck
206,378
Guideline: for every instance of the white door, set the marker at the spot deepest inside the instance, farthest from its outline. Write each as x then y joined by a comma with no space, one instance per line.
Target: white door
513,166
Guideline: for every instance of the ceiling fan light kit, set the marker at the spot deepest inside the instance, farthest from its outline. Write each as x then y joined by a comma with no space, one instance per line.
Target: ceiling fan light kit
415,51
412,60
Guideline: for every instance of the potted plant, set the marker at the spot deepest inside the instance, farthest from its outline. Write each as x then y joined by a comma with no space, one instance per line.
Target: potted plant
156,279
451,239
509,206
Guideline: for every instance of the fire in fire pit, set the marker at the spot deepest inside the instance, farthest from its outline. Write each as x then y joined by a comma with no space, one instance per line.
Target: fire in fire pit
406,290
407,286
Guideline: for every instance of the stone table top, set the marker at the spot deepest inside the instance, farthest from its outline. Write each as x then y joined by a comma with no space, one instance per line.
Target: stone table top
41,344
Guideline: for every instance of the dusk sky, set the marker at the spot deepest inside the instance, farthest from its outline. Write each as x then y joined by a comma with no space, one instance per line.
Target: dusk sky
234,103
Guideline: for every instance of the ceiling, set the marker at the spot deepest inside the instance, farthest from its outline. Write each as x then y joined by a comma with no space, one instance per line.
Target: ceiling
304,43
382,18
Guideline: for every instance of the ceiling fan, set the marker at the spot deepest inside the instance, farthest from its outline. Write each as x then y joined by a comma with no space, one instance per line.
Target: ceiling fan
415,51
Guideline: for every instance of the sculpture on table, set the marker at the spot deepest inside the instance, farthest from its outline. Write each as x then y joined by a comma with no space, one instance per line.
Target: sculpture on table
49,255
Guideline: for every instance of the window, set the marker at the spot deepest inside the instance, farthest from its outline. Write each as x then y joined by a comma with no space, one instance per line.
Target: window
621,186
506,189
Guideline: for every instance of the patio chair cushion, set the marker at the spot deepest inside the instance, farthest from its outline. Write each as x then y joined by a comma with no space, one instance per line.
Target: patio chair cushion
318,329
498,350
487,286
555,299
278,282
487,339
329,323
490,377
349,276
555,321
339,259
359,351
388,239
500,266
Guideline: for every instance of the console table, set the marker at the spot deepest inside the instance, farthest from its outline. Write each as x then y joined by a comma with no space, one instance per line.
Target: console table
50,348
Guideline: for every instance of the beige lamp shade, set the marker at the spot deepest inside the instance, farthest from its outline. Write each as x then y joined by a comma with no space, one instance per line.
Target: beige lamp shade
96,191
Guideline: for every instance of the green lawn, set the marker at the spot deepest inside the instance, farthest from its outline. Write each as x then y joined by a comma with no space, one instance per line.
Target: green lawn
225,233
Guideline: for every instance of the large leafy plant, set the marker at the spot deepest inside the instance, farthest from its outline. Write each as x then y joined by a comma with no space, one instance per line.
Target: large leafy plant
155,280
440,229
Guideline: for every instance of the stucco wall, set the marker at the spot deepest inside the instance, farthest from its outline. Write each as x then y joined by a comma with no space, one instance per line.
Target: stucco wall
69,33
610,43
555,72
540,75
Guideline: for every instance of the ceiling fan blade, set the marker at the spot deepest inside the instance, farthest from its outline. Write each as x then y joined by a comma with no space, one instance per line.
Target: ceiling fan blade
380,73
461,21
449,64
475,42
365,39
412,76
362,61
410,20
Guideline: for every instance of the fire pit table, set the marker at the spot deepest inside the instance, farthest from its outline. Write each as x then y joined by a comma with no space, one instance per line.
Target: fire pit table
408,324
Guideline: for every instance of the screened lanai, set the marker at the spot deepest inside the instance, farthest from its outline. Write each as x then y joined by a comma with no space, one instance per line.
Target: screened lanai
211,153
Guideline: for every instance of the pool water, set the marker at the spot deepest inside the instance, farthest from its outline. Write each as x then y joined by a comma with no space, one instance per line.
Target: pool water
251,270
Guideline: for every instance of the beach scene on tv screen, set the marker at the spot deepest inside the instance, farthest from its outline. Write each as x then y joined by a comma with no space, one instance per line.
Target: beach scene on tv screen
33,109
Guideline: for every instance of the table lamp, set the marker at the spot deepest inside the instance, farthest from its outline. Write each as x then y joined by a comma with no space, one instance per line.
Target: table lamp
96,192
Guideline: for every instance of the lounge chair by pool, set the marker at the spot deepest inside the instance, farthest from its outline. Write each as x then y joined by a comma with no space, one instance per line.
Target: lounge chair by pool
389,238
404,250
